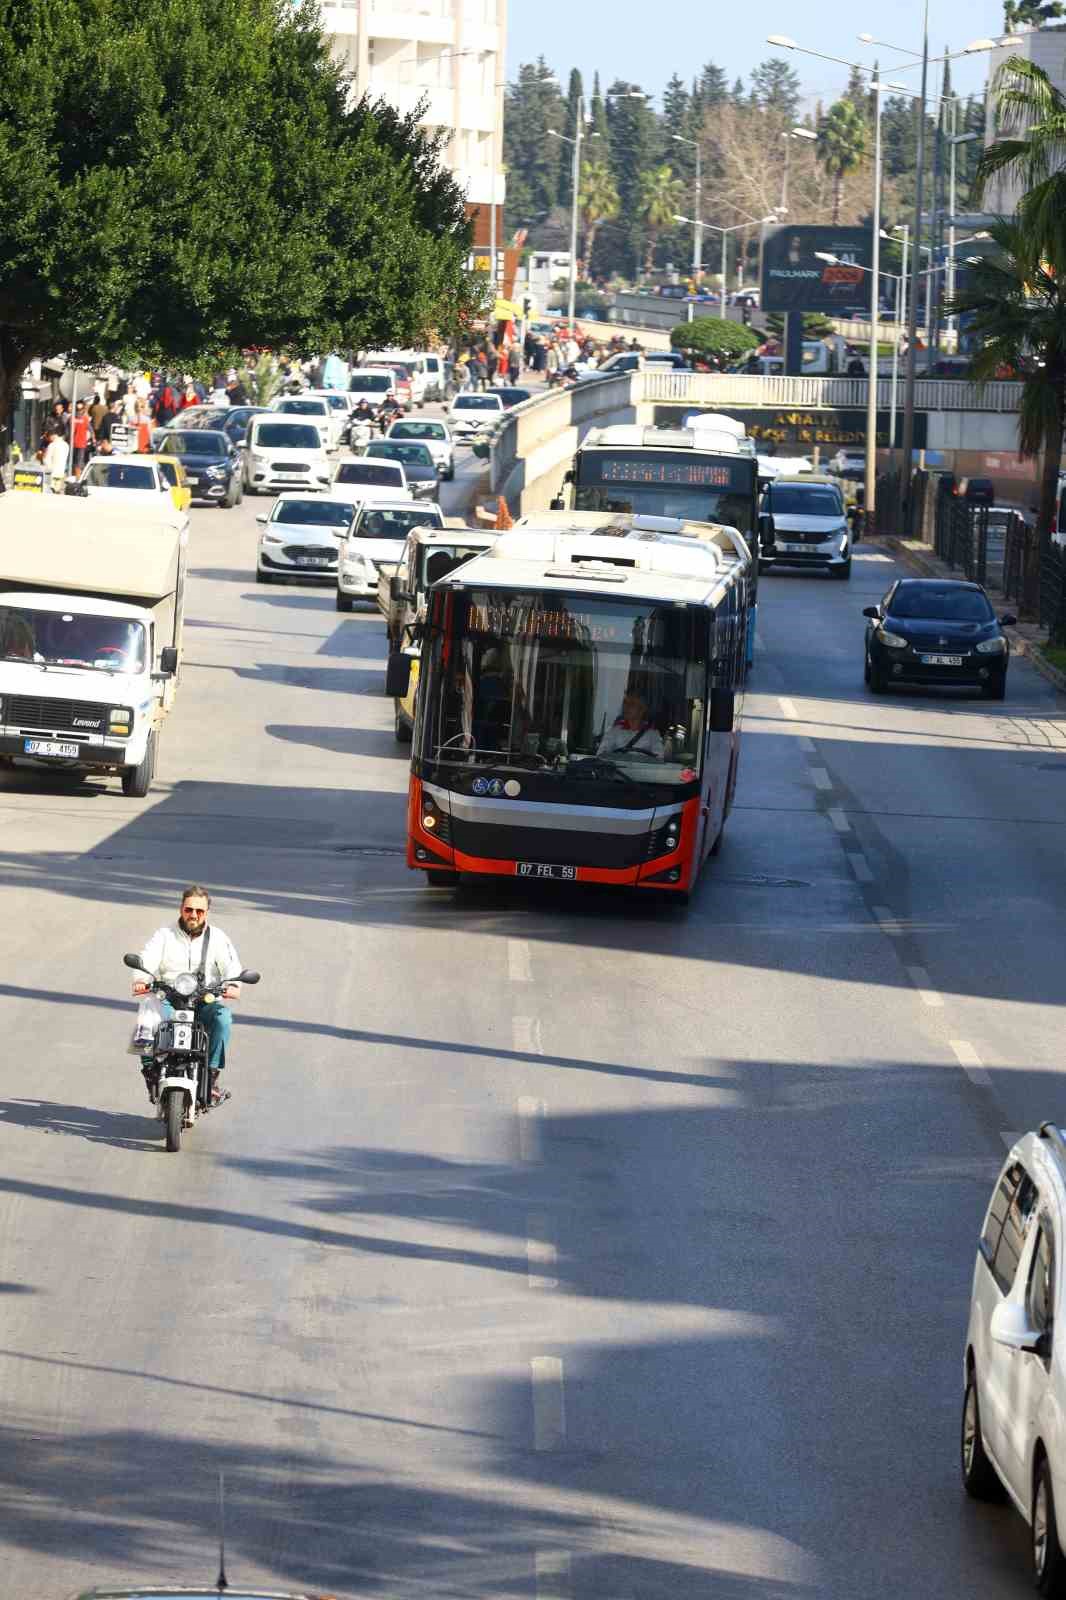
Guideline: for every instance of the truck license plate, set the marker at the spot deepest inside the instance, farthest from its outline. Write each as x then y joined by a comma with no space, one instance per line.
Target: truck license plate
49,747
544,869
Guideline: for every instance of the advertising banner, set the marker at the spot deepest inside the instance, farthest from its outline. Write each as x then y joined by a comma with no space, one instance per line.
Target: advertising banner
792,426
795,278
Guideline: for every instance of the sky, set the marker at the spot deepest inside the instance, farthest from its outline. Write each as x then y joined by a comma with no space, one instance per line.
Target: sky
613,38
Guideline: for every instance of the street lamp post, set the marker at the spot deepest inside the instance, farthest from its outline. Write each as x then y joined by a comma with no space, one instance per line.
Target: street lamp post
712,227
953,144
575,142
697,237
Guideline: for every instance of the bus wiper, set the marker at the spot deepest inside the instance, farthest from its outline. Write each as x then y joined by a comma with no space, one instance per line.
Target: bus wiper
598,767
522,759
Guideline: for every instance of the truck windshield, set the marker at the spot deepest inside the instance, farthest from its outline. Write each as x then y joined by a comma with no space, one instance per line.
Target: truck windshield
440,559
66,639
577,683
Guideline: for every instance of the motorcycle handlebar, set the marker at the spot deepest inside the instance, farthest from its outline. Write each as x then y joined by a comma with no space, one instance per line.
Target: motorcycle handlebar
134,961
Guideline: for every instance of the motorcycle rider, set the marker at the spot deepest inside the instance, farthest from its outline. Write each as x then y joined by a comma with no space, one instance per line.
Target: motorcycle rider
187,946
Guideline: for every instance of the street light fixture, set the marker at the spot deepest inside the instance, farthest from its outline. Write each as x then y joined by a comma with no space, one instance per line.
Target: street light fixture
788,136
697,237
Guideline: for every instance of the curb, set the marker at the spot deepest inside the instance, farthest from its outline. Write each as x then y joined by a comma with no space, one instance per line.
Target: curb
1021,646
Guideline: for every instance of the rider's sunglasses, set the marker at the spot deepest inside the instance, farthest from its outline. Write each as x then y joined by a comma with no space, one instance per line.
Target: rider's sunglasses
193,911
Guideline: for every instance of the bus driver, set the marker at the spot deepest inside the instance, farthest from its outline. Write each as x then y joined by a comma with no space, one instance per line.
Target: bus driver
632,731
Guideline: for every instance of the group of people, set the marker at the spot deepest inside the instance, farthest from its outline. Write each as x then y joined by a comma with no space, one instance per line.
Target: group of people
551,356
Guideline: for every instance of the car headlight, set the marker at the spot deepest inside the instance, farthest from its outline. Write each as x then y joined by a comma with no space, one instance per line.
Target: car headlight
273,538
993,647
893,641
215,472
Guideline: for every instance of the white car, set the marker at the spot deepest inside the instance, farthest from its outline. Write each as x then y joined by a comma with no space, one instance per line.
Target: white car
848,463
312,408
372,384
471,413
300,537
1014,1367
130,480
435,437
365,478
377,535
340,406
282,452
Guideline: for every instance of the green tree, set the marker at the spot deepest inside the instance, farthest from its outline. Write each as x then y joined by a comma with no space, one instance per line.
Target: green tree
574,104
775,88
137,222
532,105
598,201
841,145
660,195
714,336
1030,13
634,144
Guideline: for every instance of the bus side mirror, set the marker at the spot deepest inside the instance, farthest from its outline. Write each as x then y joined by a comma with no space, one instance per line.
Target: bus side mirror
723,704
558,503
398,675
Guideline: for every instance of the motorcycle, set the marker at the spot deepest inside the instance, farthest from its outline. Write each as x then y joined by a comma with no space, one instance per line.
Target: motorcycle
361,432
180,1085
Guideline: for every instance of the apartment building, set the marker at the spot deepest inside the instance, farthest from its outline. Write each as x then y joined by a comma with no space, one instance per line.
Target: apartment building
449,54
1046,48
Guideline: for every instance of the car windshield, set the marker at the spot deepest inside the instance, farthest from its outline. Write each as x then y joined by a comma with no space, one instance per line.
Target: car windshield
118,475
384,522
196,444
935,602
318,512
371,382
67,639
302,408
788,500
196,417
583,685
438,560
384,476
286,436
417,430
476,402
417,454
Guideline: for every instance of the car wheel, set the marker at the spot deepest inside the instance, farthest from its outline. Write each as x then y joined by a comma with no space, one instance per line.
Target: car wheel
979,1477
344,602
843,572
997,689
1049,1565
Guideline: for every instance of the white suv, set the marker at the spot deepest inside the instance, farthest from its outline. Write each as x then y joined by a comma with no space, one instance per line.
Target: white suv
1014,1374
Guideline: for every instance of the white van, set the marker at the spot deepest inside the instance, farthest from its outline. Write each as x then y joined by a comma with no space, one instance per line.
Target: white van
282,452
426,370
372,384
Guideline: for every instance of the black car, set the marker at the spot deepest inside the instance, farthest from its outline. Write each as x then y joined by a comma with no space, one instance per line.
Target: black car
938,631
510,394
212,464
234,422
420,469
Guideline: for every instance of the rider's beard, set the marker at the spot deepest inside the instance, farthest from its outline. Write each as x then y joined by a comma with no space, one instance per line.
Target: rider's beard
193,928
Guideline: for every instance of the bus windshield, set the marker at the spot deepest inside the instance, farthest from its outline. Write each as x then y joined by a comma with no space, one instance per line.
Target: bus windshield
669,483
580,684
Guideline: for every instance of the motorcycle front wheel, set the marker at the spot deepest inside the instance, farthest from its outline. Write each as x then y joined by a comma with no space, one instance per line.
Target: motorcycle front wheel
175,1119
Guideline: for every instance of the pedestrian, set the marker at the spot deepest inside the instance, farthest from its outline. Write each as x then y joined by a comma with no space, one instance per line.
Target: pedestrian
57,422
529,345
540,356
480,370
81,436
143,424
492,362
236,392
166,405
54,459
97,413
189,398
461,372
551,362
514,363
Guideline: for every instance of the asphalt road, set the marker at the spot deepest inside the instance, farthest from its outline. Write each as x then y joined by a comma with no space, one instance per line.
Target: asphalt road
555,1245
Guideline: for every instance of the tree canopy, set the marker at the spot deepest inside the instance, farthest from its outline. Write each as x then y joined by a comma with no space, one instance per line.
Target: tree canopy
714,336
187,175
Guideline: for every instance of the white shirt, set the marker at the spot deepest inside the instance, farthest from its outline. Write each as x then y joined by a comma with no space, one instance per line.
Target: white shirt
56,456
649,741
171,951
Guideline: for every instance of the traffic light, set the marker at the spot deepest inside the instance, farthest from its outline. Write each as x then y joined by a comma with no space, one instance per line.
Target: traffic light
527,306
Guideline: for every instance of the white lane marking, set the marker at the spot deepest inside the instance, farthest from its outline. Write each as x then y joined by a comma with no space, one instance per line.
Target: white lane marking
540,1253
838,819
860,867
549,1405
970,1062
923,983
552,1571
531,1129
808,746
525,1035
888,921
519,963
788,708
821,778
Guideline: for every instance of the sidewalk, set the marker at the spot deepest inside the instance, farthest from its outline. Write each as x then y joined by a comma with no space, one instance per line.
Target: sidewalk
1025,637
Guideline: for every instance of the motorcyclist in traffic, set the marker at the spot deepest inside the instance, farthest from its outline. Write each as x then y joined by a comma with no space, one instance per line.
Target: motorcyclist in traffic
192,945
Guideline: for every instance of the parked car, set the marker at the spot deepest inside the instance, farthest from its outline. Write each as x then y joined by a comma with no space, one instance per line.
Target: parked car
939,631
212,464
848,464
420,469
471,414
434,435
979,491
300,537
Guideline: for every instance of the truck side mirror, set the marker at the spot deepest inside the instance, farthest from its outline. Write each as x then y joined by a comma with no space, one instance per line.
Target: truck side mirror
398,675
168,660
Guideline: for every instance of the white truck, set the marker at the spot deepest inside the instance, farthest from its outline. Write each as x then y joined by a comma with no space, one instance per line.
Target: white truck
92,599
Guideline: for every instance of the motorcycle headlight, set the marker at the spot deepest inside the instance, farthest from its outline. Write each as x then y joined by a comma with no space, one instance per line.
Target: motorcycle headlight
185,983
992,647
893,641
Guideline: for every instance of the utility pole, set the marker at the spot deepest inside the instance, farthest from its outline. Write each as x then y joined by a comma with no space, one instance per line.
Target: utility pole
912,307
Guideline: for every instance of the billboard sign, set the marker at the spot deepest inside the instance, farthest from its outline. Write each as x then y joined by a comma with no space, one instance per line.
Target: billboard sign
795,278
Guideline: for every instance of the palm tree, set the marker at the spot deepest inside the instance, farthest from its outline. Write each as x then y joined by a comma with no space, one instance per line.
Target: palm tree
841,146
1017,305
598,200
659,197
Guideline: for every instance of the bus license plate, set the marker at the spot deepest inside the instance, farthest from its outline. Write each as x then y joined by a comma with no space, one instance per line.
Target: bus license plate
544,869
49,747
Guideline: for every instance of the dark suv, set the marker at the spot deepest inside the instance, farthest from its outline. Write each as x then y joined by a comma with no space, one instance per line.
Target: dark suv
212,464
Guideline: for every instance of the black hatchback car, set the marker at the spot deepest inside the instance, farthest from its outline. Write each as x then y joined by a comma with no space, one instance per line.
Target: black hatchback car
937,631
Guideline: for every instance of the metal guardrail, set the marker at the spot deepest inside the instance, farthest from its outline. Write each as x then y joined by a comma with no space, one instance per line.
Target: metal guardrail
813,394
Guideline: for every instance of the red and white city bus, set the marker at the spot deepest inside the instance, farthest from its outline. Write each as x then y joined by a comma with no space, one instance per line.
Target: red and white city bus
579,704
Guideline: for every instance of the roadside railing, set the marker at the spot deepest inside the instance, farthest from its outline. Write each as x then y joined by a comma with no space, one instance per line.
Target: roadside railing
813,394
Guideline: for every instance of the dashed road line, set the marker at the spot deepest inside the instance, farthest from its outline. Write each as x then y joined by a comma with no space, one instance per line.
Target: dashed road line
519,961
788,708
970,1062
924,985
531,1128
820,778
525,1035
540,1253
551,1569
549,1405
838,819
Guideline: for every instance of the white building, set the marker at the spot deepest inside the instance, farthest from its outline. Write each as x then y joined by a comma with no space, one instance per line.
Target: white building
449,53
1046,48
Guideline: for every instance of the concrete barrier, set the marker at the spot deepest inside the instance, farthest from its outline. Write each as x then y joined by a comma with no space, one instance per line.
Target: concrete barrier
535,443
